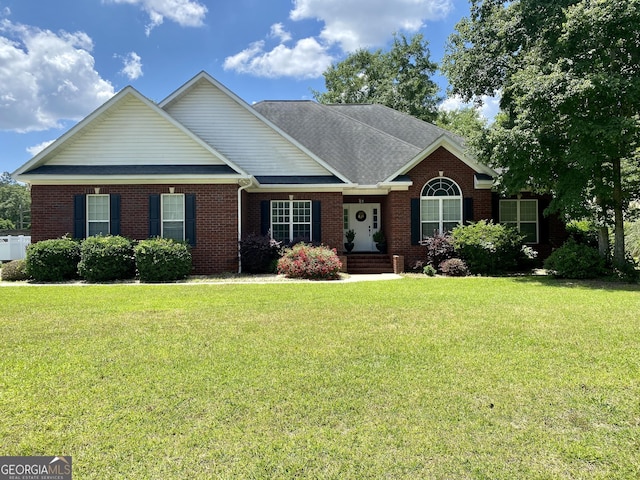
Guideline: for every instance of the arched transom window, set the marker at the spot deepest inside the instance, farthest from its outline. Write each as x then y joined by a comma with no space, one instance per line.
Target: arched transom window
441,206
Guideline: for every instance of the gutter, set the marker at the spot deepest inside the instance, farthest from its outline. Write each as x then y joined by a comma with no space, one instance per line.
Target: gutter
244,184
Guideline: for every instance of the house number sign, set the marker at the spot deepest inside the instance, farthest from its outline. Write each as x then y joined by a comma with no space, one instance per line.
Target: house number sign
361,216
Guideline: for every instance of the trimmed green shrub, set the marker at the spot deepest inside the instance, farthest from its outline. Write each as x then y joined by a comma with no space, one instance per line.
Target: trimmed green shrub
429,270
488,248
162,260
106,258
259,254
306,261
576,260
53,260
454,267
14,271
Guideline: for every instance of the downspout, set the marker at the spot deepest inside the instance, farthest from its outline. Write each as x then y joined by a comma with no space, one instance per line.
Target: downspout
244,184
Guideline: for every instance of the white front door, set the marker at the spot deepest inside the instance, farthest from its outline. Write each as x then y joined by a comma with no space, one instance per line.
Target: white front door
364,219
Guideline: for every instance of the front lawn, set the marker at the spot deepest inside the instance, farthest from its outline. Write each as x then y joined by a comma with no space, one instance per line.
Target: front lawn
497,378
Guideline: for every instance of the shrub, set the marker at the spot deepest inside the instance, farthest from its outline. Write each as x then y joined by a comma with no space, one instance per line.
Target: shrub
575,260
583,231
628,271
53,260
15,271
106,258
439,248
488,248
528,258
162,260
454,267
429,270
306,261
259,253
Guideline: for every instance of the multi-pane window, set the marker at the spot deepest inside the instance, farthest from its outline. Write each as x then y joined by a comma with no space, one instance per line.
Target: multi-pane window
291,219
523,215
173,216
441,206
97,215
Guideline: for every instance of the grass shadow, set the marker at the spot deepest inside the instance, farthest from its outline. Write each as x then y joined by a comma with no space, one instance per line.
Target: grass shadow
595,284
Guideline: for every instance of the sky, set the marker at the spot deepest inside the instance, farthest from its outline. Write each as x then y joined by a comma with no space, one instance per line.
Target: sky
61,59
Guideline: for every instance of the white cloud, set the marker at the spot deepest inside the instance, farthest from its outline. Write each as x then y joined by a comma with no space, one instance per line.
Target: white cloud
348,24
307,59
278,31
451,104
36,149
46,77
357,24
489,108
132,66
186,13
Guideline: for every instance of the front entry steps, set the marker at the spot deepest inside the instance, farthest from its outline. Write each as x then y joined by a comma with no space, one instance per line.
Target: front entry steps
364,263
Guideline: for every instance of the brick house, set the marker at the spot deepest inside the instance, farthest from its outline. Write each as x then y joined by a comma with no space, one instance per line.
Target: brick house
205,167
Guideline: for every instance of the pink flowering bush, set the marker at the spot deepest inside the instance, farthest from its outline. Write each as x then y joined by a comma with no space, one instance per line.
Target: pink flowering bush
306,261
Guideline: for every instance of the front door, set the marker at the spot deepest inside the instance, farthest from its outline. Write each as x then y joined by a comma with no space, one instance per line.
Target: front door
364,219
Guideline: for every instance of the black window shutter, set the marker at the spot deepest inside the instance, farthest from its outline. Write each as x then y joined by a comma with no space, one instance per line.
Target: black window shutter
495,207
190,218
154,215
265,217
316,229
79,216
543,223
114,213
467,210
416,227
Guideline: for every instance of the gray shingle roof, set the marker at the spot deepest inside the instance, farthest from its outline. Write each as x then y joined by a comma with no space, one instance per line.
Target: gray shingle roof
298,180
367,143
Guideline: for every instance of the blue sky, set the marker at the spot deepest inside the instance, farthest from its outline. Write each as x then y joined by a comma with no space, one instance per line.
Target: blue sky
61,59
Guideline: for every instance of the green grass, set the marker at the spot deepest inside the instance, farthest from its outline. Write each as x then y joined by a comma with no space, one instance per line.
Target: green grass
415,378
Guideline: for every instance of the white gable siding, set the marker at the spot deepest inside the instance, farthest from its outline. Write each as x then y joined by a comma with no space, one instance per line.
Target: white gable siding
131,133
239,135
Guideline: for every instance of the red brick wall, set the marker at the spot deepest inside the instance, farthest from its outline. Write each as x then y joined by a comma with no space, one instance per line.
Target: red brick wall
330,213
216,248
397,210
396,207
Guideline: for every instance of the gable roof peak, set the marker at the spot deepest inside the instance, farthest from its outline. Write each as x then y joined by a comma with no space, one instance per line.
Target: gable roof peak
69,134
204,77
102,112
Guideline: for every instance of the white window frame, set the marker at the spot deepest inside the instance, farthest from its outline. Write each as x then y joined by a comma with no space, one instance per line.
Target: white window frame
440,201
518,222
91,221
289,204
163,212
